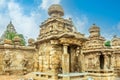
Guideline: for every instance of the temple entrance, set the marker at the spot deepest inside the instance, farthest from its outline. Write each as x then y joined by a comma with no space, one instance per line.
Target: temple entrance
69,52
73,58
101,59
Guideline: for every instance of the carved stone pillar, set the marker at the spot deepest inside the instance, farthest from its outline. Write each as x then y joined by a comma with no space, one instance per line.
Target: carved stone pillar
85,57
36,62
48,60
53,60
112,61
65,59
52,56
81,62
65,48
97,61
40,62
106,61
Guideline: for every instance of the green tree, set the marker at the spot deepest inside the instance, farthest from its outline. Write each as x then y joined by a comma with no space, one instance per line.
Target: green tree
108,44
22,39
11,35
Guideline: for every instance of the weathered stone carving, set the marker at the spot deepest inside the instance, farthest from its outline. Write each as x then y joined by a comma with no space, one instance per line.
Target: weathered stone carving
36,64
31,42
7,61
59,51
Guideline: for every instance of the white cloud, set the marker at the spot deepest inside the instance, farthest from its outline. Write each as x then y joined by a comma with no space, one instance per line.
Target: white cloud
68,16
2,3
24,24
29,24
107,36
81,23
118,26
46,3
4,21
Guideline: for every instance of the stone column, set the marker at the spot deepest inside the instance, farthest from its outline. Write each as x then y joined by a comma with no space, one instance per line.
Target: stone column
80,59
106,61
53,61
83,66
40,62
65,59
48,60
97,61
36,62
112,61
52,56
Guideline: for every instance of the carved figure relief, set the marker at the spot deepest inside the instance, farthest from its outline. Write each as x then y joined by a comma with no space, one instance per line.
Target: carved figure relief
6,60
36,64
55,25
106,66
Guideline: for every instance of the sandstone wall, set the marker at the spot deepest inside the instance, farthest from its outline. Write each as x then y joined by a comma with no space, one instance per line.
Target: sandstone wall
16,59
49,55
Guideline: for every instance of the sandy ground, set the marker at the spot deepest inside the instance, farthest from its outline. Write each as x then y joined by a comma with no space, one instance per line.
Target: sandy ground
10,77
13,77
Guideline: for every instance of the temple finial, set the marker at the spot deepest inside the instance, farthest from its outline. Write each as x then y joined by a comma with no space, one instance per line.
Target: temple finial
10,22
94,24
115,36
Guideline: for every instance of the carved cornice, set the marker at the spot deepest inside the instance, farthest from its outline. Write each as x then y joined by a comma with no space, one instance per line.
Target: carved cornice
60,20
98,50
75,37
7,46
71,41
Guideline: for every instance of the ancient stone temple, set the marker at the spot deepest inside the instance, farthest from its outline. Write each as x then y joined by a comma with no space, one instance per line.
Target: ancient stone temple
15,59
98,58
59,53
59,46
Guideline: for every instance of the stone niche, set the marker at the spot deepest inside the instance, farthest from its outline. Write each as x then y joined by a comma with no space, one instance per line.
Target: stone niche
98,60
92,62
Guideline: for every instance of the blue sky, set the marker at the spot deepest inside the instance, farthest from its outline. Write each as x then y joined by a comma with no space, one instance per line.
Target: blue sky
27,15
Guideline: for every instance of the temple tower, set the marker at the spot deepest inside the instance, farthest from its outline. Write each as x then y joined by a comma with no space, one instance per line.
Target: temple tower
10,29
94,31
59,46
115,42
98,58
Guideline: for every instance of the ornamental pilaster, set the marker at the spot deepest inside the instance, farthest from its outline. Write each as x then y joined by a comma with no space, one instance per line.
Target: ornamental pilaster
65,59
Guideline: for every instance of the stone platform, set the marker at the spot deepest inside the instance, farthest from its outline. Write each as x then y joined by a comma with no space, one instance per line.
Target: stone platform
101,74
72,76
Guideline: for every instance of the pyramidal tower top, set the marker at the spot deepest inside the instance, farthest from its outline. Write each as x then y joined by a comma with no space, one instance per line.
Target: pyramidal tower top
55,10
57,27
94,31
11,28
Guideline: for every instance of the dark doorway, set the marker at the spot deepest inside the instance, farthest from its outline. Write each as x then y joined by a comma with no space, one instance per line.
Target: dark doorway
69,52
101,59
109,56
